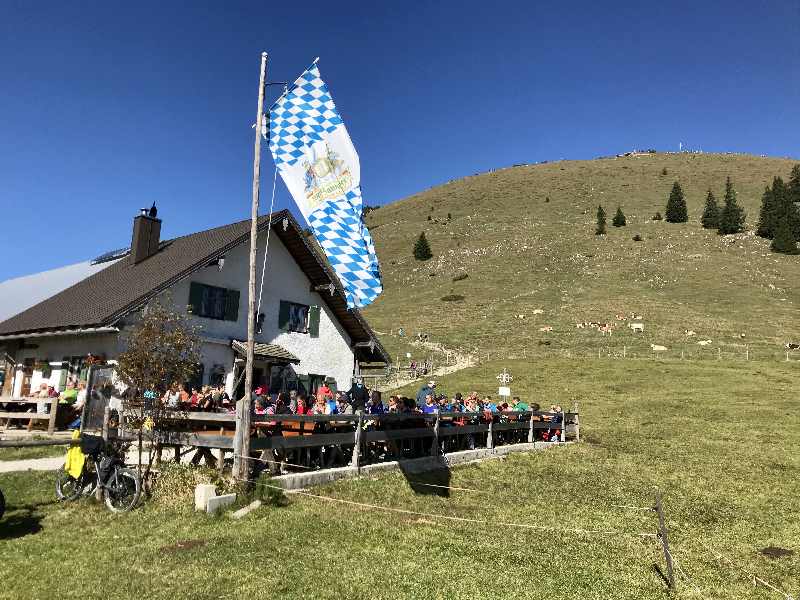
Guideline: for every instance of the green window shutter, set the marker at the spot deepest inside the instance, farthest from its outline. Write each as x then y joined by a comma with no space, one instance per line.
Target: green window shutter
283,316
195,297
313,321
231,305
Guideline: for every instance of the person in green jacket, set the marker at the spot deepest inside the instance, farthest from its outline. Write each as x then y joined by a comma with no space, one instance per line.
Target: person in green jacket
69,395
518,405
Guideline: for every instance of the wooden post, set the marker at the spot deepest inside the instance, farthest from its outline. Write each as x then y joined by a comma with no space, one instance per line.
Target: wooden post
624,350
490,435
747,352
435,444
51,425
563,426
530,430
576,410
98,493
356,463
663,536
719,353
241,468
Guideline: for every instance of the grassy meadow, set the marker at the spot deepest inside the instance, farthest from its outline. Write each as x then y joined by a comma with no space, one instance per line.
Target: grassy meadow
718,439
524,238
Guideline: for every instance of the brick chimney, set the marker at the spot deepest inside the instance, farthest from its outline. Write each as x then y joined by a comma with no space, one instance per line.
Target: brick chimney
146,236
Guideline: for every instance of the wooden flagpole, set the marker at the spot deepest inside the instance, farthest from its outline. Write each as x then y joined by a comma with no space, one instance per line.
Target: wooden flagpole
241,450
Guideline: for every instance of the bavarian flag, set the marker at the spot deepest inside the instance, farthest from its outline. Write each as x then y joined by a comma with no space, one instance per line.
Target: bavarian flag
317,161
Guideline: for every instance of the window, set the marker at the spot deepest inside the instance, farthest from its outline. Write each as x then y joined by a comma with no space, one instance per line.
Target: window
299,318
213,302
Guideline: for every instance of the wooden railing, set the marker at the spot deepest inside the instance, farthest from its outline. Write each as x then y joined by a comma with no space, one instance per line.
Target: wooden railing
30,416
287,432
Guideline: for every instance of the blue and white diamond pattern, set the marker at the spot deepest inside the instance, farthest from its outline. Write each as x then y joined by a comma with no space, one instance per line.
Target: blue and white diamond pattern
301,116
342,236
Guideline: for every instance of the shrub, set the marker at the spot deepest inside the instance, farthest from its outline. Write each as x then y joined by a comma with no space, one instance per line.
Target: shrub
429,217
664,171
452,298
619,218
637,238
657,217
174,487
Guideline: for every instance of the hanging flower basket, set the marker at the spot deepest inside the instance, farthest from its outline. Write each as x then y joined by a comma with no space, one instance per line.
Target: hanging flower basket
95,359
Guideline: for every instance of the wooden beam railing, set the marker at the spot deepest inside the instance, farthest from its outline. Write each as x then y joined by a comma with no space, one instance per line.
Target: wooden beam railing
285,432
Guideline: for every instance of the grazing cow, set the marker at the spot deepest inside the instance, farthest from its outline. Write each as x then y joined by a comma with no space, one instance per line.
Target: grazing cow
546,328
622,318
704,342
538,311
657,348
790,346
637,327
689,332
606,329
580,325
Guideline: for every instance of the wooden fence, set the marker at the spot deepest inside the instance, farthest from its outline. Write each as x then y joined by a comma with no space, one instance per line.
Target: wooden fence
357,433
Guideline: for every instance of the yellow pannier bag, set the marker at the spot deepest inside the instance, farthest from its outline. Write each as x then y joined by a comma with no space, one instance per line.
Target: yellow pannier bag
75,458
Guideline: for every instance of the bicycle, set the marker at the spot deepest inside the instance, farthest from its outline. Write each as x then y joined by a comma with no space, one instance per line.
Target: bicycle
104,467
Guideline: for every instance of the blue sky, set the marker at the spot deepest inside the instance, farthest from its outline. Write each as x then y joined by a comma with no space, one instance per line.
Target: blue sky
108,106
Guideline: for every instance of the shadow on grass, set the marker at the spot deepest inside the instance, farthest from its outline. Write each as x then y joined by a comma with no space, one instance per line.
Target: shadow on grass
429,478
20,524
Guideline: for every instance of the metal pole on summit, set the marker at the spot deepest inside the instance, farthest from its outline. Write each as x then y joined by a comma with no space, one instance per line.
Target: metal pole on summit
241,453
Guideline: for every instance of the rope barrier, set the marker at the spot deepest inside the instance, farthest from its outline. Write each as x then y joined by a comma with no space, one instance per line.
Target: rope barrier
457,519
683,574
274,462
266,247
750,576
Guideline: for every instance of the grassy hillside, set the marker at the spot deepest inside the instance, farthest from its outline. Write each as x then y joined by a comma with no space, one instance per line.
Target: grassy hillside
524,236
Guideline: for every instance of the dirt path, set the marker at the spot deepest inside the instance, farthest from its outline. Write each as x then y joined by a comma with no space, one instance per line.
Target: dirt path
461,361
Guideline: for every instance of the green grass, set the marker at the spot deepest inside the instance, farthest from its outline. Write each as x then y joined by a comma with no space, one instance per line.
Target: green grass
31,453
719,440
522,253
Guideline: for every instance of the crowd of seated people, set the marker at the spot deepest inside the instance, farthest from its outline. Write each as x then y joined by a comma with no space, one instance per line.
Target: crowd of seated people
456,411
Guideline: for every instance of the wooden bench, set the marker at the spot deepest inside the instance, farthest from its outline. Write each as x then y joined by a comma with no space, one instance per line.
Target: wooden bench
30,416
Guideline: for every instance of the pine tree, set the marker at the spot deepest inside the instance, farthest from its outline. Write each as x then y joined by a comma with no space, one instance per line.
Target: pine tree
710,219
785,199
619,218
422,249
784,241
601,221
676,206
767,215
731,219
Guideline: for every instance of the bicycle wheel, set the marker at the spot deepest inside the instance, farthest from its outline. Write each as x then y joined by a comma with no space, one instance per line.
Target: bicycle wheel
123,490
68,487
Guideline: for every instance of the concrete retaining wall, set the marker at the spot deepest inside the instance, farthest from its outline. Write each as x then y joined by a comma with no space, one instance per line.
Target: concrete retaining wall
296,481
